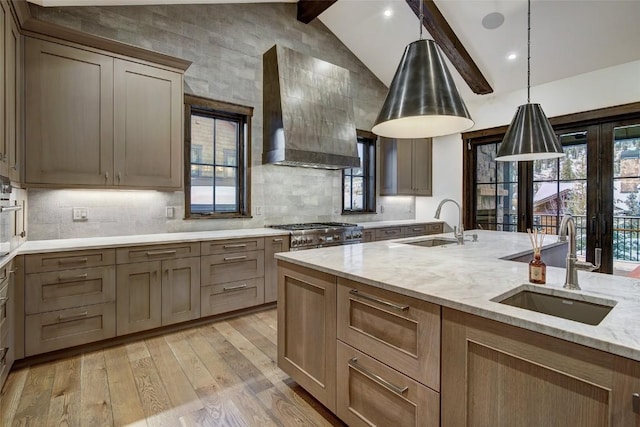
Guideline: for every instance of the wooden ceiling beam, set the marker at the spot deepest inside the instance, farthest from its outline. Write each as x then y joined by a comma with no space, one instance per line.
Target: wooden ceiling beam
308,10
447,40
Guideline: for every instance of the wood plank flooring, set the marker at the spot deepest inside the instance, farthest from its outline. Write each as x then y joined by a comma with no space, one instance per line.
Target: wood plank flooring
220,374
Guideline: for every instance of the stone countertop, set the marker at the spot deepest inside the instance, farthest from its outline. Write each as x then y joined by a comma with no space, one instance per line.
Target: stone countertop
40,246
397,223
469,276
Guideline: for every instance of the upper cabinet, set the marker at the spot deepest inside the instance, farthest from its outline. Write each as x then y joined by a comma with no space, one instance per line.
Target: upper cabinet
96,120
405,167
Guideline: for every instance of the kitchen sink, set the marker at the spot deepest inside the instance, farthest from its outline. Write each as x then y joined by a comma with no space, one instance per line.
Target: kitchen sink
431,242
589,310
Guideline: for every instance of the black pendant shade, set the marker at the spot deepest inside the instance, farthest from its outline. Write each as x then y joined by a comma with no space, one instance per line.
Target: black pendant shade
423,100
530,136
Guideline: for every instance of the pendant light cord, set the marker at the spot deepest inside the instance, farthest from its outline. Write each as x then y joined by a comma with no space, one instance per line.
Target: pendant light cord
421,17
528,51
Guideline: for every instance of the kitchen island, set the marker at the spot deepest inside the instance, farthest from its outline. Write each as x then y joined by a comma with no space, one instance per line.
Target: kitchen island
392,332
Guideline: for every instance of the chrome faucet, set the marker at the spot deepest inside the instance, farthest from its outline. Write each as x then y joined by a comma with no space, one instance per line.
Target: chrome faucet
459,231
568,228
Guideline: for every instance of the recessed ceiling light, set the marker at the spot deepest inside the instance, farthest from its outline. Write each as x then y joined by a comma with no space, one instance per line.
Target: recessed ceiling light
493,20
512,56
388,12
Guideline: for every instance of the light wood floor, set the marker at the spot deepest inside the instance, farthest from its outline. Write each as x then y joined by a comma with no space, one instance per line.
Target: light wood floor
220,374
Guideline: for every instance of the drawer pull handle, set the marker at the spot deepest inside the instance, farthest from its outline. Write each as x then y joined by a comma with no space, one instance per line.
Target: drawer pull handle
277,240
168,252
238,245
73,316
391,231
384,383
379,301
69,278
418,229
636,403
10,208
73,261
3,355
234,288
235,258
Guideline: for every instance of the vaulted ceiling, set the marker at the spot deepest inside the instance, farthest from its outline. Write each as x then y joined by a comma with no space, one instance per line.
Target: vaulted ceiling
569,37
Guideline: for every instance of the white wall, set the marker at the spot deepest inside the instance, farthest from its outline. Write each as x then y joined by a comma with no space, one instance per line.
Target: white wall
598,89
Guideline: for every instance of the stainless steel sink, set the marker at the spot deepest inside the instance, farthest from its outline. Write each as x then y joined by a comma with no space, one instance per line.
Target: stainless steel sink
590,311
431,242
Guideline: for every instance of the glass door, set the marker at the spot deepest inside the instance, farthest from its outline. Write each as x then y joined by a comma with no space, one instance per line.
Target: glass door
560,186
624,209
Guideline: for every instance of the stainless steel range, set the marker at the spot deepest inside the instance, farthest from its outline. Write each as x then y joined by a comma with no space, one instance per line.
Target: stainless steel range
321,234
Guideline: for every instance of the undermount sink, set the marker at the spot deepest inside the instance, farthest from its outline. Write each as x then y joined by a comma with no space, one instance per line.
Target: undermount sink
431,242
589,310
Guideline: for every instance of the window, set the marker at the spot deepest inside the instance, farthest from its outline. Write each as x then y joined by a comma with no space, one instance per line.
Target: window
359,183
217,170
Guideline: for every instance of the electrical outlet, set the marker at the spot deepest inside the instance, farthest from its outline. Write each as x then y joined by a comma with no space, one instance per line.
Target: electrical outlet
381,208
171,212
258,210
80,214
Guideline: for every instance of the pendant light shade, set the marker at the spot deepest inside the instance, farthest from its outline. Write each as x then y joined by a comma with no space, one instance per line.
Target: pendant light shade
423,100
529,137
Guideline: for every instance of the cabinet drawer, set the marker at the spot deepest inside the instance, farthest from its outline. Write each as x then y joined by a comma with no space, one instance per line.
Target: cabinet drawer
60,290
415,230
368,236
7,356
38,263
400,331
67,328
234,245
370,393
156,252
231,296
388,233
225,268
435,228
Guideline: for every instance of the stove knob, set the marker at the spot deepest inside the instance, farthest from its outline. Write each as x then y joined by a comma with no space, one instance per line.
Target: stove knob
336,237
294,241
321,239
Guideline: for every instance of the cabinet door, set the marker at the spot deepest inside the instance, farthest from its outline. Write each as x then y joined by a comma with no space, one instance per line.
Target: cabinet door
69,109
4,15
273,245
139,297
148,126
307,330
13,63
405,166
421,167
501,375
180,290
388,167
370,393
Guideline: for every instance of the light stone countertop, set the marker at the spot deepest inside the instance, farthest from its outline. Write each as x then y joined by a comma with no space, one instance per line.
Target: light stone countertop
41,246
468,277
397,223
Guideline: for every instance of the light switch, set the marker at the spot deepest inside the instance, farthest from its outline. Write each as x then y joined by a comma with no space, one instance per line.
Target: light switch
170,212
80,214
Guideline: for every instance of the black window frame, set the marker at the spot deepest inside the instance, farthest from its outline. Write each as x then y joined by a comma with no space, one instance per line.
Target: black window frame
368,166
195,105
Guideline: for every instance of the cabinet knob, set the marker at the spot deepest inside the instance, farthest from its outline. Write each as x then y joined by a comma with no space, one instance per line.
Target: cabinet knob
636,402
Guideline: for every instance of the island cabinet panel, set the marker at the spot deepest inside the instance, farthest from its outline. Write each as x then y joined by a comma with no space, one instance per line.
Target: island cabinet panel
307,330
399,331
272,246
501,375
369,393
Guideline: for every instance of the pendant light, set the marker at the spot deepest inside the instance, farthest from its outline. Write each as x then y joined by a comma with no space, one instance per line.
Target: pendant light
530,136
422,101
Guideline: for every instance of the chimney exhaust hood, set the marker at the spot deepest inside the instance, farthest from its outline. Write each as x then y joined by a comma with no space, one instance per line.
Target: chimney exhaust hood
308,112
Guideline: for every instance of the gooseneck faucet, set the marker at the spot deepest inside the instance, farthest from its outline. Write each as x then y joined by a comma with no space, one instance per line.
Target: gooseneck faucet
568,228
459,231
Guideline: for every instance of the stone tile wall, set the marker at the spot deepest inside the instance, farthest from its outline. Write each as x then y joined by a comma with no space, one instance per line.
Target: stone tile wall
225,42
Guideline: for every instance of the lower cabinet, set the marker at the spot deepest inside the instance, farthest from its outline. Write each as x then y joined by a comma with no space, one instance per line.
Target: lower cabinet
497,374
307,330
221,298
272,246
157,293
7,324
397,232
370,393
